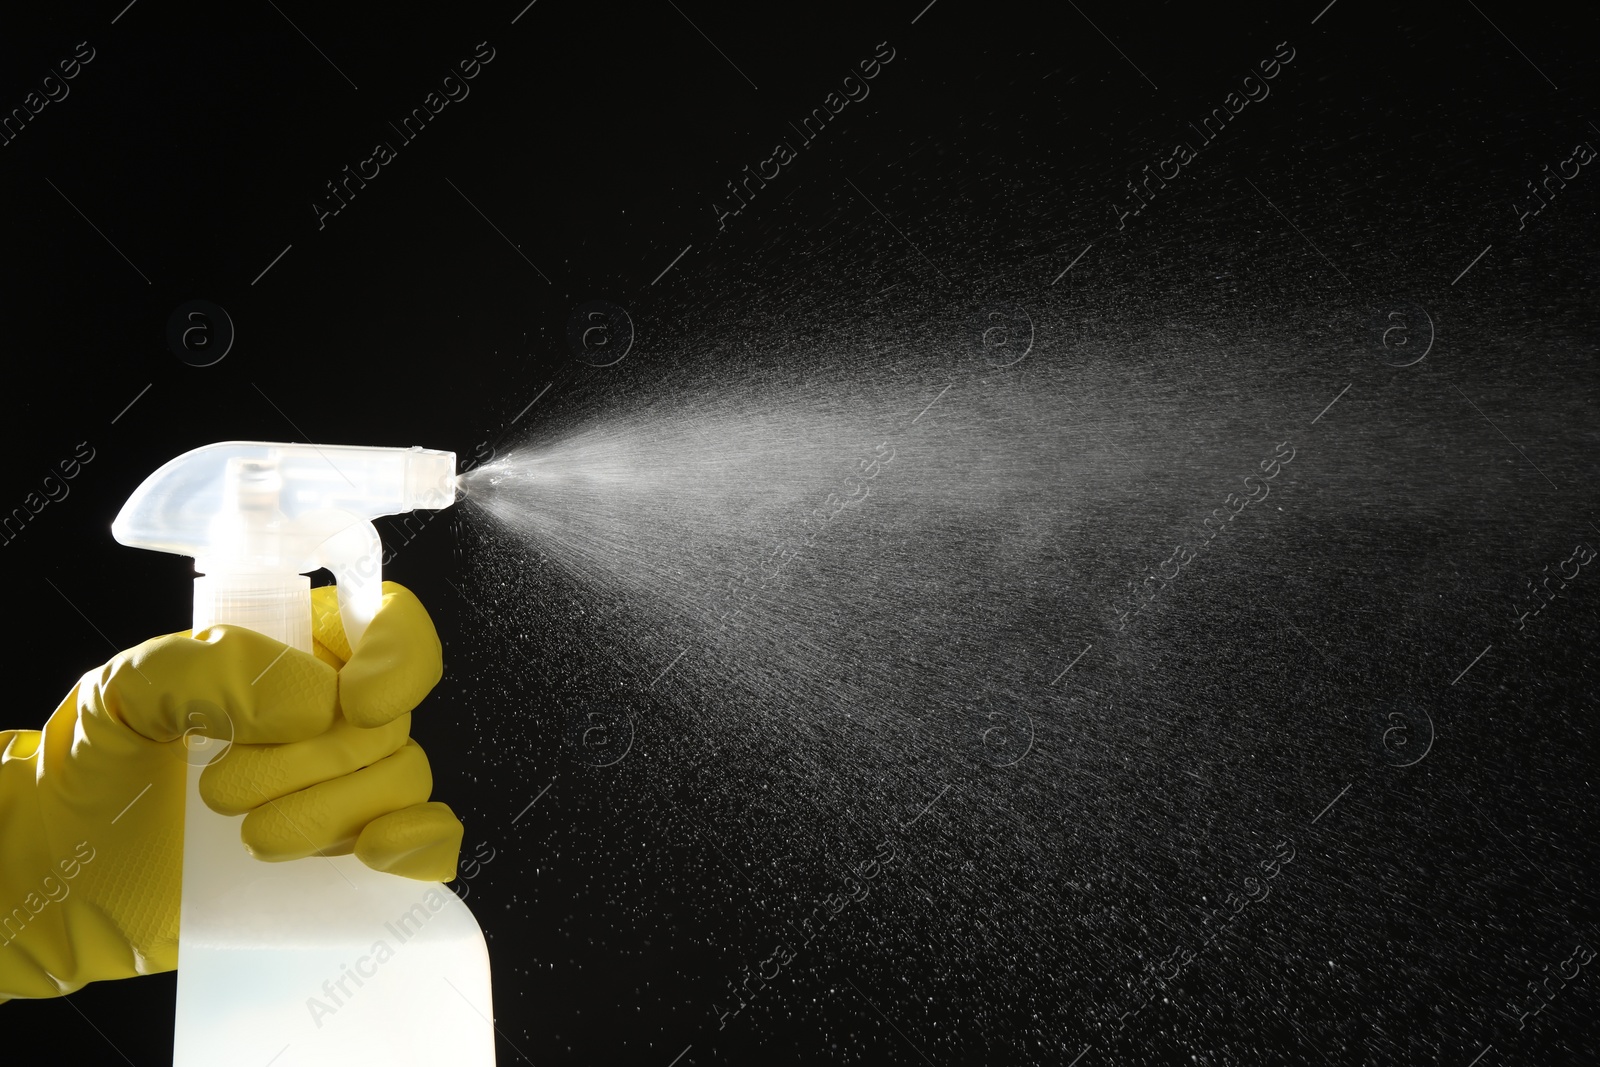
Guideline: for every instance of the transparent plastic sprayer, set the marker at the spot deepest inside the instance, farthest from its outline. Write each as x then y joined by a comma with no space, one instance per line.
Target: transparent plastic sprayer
319,961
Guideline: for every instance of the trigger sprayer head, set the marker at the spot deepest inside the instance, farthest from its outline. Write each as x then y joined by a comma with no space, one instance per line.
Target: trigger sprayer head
255,516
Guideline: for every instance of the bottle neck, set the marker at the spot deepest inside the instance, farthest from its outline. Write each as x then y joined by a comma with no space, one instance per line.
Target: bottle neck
276,605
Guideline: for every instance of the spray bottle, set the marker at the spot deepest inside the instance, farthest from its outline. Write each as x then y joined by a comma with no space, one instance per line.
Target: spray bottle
320,961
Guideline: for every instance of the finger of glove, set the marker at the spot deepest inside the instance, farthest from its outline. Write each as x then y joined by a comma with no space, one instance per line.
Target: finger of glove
247,776
225,682
396,663
328,638
421,842
327,818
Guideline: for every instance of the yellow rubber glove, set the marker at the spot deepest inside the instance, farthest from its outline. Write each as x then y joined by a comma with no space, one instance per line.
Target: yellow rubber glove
91,808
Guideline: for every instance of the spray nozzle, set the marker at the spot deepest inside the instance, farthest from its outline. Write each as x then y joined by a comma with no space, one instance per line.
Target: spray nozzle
257,516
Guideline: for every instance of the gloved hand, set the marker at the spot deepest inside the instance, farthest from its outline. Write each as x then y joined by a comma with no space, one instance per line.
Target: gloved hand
91,808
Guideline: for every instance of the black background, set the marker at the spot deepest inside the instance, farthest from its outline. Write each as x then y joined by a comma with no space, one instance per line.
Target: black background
992,148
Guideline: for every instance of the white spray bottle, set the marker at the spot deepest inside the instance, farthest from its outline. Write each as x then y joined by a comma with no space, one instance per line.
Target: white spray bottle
319,962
